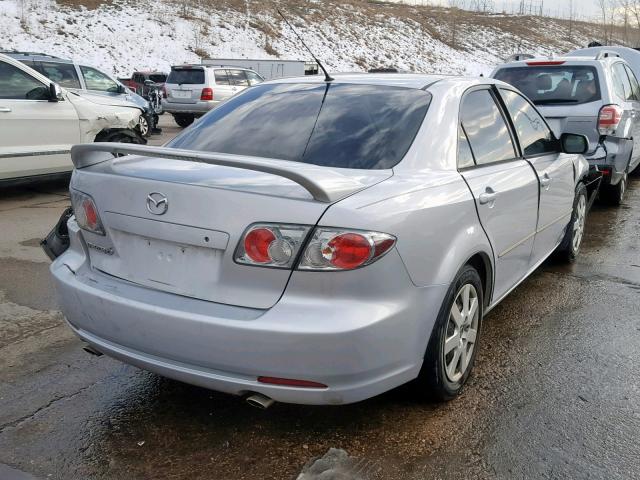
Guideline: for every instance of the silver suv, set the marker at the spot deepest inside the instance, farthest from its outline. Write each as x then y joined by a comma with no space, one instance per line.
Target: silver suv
598,97
193,90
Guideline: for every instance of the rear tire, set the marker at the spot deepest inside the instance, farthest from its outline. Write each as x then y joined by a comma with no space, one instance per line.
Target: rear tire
184,119
569,248
614,194
454,341
120,137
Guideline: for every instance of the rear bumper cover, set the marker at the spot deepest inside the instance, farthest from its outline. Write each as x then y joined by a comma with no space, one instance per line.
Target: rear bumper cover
611,156
358,347
198,108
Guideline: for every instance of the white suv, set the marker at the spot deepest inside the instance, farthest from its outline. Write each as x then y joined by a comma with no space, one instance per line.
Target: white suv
39,121
193,90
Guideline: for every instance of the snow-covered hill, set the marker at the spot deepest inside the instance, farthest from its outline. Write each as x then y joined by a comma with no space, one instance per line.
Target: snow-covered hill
119,36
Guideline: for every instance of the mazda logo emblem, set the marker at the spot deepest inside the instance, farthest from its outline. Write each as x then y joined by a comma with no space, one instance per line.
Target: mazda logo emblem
157,203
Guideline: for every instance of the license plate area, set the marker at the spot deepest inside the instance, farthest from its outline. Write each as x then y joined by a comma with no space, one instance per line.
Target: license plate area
181,93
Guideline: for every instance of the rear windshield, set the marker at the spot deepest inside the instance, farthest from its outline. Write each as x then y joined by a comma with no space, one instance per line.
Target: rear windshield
336,125
189,76
158,77
554,84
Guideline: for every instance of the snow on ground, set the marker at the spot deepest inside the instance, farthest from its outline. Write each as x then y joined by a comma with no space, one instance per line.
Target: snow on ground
119,37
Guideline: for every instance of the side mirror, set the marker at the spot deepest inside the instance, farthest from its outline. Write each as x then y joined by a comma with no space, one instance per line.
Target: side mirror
574,143
148,82
55,92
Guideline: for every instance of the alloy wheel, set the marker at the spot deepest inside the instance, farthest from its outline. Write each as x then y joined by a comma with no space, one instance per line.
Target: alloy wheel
461,332
143,125
623,186
578,223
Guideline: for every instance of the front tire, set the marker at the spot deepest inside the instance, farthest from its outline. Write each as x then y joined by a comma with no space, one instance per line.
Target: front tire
454,341
184,119
570,246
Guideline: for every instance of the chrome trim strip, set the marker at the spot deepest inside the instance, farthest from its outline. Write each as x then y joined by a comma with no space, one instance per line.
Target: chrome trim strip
34,154
516,245
554,221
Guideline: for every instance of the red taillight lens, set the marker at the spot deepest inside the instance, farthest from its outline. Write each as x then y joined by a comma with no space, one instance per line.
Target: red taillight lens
288,382
86,212
164,92
207,94
609,119
347,251
257,243
341,249
271,244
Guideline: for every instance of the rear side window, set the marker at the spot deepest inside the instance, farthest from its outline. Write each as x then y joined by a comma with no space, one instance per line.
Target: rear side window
554,84
486,129
237,77
64,74
534,135
634,83
18,85
222,77
621,83
335,125
186,76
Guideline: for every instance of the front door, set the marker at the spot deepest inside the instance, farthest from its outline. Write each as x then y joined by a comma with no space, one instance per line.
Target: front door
555,173
504,186
35,134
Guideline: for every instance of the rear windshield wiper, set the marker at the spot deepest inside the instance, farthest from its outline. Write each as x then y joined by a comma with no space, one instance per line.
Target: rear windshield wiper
549,101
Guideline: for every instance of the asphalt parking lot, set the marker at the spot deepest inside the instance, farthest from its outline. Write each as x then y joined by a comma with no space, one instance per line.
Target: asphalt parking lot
554,395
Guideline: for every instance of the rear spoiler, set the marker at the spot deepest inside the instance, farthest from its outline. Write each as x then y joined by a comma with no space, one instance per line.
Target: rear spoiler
324,184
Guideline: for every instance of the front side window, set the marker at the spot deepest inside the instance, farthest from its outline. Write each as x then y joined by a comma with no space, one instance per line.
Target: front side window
64,74
486,129
96,80
554,84
18,85
254,78
334,125
238,78
534,135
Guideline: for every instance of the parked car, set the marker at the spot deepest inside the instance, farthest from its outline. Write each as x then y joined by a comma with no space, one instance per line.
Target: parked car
139,81
597,96
193,90
89,81
39,121
354,244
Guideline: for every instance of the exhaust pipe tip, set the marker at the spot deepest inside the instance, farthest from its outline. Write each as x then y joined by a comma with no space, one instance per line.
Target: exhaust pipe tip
90,350
260,401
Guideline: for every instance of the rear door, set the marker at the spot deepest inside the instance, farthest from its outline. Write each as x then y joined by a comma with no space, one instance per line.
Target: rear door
634,99
184,84
505,187
629,131
31,127
554,170
238,80
223,88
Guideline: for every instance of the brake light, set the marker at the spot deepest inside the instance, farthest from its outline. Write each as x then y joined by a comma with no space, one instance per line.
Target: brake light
341,249
541,63
86,212
164,92
609,119
207,94
271,245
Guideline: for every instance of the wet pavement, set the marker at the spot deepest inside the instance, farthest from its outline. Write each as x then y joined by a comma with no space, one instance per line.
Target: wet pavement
554,395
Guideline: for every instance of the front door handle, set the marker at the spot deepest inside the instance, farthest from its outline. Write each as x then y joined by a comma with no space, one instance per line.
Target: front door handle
5,109
487,197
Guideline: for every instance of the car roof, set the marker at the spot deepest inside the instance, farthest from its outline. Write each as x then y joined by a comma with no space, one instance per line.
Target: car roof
35,56
565,59
407,80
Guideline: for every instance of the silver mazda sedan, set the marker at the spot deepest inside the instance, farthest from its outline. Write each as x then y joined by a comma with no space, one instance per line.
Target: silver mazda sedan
320,242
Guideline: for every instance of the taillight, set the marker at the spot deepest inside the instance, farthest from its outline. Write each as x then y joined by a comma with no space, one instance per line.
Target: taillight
271,245
277,245
164,92
207,94
86,212
609,119
535,63
342,249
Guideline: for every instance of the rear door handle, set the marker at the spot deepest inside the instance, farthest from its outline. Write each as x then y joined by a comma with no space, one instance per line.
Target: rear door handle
487,197
545,180
5,109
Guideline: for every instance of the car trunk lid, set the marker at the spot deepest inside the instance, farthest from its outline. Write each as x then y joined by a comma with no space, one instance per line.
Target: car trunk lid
189,248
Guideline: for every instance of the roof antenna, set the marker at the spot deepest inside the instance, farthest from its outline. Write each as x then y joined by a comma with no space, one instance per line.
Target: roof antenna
327,77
